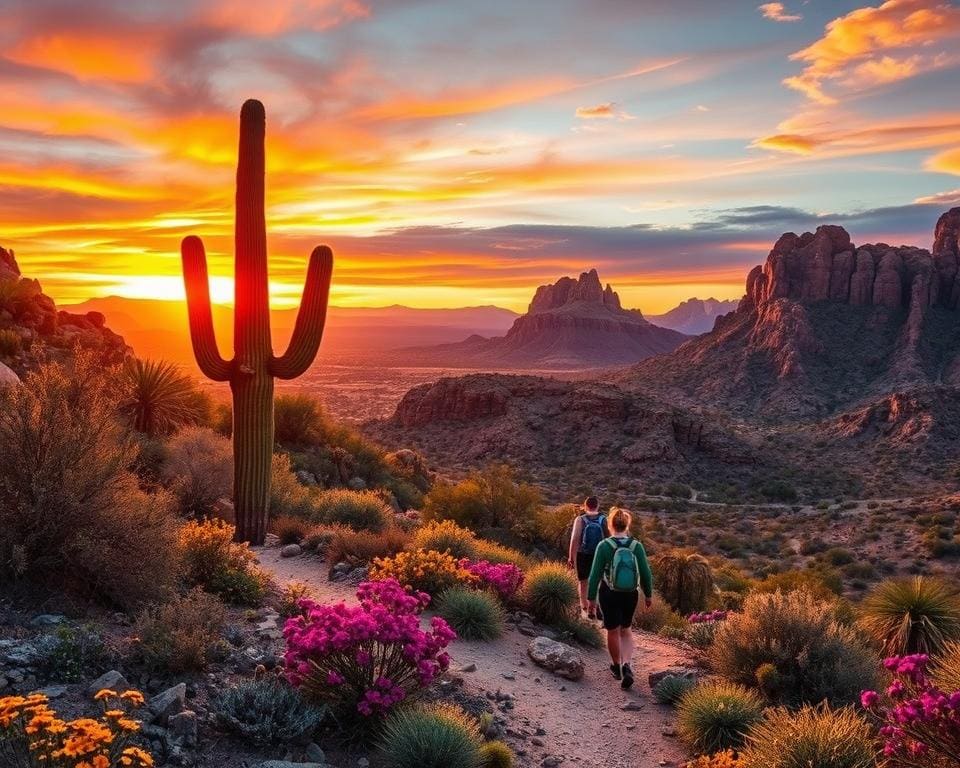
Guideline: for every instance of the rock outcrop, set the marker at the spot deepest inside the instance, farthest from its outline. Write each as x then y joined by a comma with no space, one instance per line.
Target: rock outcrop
34,331
571,324
693,316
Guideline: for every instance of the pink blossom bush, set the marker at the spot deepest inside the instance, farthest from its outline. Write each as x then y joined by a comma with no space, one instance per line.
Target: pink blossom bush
367,658
920,724
504,578
707,616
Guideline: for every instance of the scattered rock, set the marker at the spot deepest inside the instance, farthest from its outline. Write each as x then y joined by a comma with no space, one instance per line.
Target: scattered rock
469,668
551,761
556,657
685,672
170,702
112,680
291,550
47,620
183,726
53,691
633,706
314,754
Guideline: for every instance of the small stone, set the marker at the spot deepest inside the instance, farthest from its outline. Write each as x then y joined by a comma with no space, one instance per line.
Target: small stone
363,763
53,691
170,702
668,731
655,677
314,754
632,706
551,761
557,657
112,680
509,676
183,726
47,620
469,668
291,550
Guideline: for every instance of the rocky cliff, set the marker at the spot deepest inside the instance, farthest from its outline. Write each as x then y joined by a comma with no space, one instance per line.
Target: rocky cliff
824,325
572,324
33,331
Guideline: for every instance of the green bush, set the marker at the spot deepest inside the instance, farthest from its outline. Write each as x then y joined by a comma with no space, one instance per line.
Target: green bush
684,580
437,736
181,635
813,736
291,594
473,614
813,657
446,536
916,615
319,537
672,688
496,754
493,498
701,634
493,552
550,592
658,616
555,524
298,420
823,585
198,469
712,717
359,510
239,586
288,496
266,711
71,654
584,632
363,547
289,529
213,561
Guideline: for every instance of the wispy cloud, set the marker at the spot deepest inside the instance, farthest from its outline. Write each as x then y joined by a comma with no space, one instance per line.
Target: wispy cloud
778,12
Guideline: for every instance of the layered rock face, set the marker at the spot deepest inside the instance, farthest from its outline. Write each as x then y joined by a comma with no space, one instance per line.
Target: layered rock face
37,332
571,324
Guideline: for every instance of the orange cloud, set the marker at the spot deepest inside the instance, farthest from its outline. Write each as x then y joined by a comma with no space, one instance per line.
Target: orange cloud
940,199
277,16
786,142
854,49
777,12
945,162
87,56
601,111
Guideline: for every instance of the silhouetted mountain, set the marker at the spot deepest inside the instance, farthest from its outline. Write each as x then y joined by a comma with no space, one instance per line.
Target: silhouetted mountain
694,316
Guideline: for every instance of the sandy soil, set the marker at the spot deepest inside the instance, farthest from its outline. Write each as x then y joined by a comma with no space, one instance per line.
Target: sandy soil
589,723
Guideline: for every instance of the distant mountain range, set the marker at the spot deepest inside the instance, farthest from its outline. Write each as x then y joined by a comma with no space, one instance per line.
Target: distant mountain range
572,324
694,316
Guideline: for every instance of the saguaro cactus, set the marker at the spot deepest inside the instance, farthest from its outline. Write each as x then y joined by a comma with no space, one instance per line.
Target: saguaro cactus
254,366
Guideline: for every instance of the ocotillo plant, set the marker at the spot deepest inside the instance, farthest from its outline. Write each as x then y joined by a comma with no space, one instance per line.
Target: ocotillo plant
254,366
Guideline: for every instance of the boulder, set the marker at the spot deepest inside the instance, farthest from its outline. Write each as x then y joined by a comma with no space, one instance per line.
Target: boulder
168,703
291,550
684,672
7,377
112,680
183,727
556,657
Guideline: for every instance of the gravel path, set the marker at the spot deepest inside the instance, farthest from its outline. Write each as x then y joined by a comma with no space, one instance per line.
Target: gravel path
555,722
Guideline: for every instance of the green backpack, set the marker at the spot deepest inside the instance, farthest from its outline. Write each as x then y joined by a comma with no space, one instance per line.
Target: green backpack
623,573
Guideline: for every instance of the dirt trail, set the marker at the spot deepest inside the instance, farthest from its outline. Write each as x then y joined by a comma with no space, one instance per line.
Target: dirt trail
582,723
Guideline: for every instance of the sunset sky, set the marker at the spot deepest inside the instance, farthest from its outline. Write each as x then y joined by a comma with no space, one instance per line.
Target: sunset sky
460,153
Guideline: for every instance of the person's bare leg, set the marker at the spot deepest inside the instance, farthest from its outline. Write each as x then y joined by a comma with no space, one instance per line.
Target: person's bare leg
613,645
584,604
626,645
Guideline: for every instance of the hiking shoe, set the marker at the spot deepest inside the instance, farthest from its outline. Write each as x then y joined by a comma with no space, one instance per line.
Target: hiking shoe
615,671
627,677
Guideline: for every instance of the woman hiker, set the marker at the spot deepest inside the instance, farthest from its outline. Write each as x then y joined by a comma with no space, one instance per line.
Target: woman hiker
620,570
589,529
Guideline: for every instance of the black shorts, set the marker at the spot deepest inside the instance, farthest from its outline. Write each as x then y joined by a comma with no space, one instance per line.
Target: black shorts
617,607
584,564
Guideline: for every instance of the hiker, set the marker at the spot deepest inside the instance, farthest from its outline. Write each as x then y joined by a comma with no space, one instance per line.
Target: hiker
589,529
620,570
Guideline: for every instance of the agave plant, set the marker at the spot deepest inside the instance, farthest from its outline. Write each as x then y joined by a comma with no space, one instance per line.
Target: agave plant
157,396
916,615
685,581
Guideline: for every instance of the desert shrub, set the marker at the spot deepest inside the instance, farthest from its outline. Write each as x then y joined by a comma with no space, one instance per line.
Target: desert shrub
289,529
71,653
445,536
422,570
365,659
554,524
715,716
505,579
9,342
701,634
496,754
474,615
813,736
945,671
916,615
583,632
214,561
436,736
288,496
32,734
198,469
810,656
266,711
298,420
158,398
290,596
182,634
363,547
550,592
726,759
685,581
658,616
493,498
672,688
319,537
493,552
73,516
360,510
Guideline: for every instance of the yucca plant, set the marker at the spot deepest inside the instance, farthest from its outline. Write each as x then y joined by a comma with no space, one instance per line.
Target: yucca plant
672,688
945,670
549,593
684,580
715,716
496,754
474,615
157,396
437,736
813,736
915,615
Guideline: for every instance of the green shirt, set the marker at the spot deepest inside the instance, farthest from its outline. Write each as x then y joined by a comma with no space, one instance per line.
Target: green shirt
603,558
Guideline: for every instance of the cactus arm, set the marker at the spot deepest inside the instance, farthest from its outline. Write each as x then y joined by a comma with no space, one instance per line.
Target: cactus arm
311,318
198,307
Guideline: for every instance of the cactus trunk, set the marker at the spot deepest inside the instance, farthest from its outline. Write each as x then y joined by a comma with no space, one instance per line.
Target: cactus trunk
253,367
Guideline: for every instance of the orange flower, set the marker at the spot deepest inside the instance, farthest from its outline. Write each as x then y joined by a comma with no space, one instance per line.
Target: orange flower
134,697
106,693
